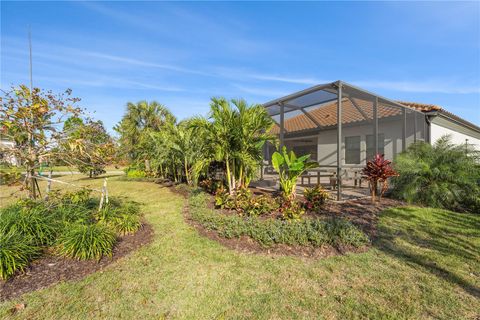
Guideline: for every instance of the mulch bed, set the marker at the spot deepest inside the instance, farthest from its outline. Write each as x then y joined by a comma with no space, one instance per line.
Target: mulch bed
361,212
49,270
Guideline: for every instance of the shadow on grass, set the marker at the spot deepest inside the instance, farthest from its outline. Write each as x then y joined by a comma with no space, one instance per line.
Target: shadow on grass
436,242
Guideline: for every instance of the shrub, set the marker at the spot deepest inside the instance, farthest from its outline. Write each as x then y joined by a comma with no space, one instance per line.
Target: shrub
125,223
85,242
244,202
315,198
443,175
136,173
378,171
291,209
31,220
16,252
316,232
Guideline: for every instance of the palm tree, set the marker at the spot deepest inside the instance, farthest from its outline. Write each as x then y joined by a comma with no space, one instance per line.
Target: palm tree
236,137
136,126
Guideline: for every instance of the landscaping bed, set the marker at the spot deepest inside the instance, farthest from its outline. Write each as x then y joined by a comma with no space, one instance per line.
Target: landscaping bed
312,236
52,269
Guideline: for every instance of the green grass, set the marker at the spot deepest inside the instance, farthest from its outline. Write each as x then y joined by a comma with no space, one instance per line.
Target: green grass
425,265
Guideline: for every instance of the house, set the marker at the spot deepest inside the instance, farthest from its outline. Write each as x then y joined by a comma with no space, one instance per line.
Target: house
5,157
342,126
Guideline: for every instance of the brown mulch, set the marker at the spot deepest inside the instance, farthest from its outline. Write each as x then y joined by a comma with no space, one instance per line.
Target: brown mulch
49,270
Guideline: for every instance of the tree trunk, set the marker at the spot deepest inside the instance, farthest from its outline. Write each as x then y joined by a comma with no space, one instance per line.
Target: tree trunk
186,171
228,176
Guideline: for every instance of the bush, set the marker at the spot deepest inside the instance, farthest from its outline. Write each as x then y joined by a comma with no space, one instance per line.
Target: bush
315,198
16,252
85,242
291,209
244,202
443,175
136,173
315,232
30,220
125,223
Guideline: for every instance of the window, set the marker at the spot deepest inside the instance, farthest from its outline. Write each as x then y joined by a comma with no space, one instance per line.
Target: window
352,150
371,145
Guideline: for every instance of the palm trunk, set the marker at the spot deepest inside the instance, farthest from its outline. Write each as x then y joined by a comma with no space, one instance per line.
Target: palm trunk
186,171
229,182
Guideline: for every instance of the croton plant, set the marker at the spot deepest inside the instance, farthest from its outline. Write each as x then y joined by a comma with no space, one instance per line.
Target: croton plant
377,171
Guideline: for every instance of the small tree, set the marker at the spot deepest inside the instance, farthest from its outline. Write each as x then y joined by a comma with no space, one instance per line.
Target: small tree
33,120
90,146
377,171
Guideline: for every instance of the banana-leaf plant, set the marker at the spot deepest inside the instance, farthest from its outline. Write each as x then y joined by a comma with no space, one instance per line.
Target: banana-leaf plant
289,168
377,171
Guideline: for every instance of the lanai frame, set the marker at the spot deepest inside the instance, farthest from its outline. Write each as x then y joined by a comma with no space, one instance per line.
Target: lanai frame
300,102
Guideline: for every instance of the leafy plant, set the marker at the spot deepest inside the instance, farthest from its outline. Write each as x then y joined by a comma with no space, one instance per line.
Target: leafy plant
34,223
83,242
125,223
315,198
289,167
315,232
16,252
443,175
291,209
378,171
136,173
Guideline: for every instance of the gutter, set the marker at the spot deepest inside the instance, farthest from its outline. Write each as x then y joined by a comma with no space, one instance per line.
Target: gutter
459,121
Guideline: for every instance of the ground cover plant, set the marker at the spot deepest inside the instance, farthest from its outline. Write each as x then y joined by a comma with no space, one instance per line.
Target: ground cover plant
444,175
68,224
315,232
422,266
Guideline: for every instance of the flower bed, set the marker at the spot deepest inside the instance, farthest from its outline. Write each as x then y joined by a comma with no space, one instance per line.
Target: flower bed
315,232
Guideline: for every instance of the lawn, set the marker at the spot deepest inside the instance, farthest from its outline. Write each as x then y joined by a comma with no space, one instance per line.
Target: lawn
425,264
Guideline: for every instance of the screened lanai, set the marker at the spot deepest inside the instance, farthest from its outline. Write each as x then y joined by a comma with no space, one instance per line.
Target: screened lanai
341,126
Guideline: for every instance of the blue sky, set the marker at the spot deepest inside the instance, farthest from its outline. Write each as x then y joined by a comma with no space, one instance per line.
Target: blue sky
181,54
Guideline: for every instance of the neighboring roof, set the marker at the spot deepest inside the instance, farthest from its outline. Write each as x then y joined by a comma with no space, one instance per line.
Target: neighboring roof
421,106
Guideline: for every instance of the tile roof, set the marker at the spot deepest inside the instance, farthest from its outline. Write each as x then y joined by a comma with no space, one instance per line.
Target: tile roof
326,115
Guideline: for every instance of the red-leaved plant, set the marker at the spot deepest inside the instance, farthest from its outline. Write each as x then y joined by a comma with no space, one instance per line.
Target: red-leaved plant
377,171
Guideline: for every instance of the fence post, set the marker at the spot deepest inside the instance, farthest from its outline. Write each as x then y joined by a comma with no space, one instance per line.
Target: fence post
49,184
105,190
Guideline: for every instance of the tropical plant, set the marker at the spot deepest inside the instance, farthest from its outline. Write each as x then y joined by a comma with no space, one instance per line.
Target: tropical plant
442,175
16,252
315,198
289,168
83,242
236,133
136,127
378,171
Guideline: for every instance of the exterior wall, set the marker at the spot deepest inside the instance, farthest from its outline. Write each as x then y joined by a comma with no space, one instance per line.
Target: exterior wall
327,141
5,144
439,130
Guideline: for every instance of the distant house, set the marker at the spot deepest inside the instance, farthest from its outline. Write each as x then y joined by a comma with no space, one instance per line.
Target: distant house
342,126
4,156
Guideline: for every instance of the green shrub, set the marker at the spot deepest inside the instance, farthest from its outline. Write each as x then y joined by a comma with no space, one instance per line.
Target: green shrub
136,173
315,232
31,220
16,252
244,202
125,223
291,209
443,175
315,198
85,242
